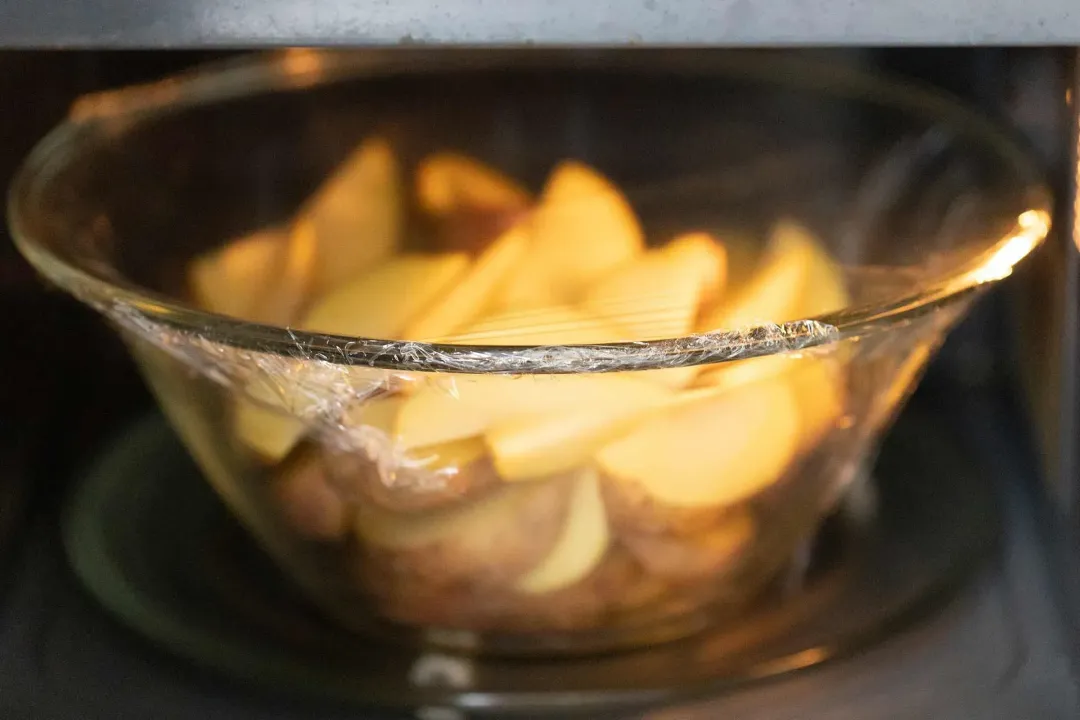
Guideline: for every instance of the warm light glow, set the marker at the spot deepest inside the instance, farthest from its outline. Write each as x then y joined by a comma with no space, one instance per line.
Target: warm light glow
1032,227
1076,187
798,661
301,62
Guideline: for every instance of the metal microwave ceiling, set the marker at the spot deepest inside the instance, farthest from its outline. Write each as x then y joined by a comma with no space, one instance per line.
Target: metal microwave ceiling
207,23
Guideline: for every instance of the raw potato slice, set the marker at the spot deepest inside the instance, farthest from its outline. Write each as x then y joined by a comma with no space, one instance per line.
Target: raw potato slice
420,482
307,501
699,557
686,465
493,539
356,215
230,281
466,298
284,298
817,381
556,325
381,303
657,296
473,403
433,477
539,445
467,203
616,584
271,434
265,422
820,390
262,278
581,545
447,182
582,230
796,280
477,403
816,377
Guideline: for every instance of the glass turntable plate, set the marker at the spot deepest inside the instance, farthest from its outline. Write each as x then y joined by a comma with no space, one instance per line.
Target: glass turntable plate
154,545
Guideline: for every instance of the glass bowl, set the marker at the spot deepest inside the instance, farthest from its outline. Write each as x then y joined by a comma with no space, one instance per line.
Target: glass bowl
528,352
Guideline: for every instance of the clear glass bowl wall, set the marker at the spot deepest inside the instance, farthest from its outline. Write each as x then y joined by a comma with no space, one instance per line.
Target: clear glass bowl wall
917,204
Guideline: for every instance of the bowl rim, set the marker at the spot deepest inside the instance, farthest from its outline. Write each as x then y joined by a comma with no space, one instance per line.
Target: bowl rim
296,69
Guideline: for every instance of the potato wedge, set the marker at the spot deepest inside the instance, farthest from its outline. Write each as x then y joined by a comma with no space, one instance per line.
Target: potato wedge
582,229
796,279
477,404
355,215
696,557
465,299
681,469
381,303
657,295
490,541
467,203
308,501
617,584
261,278
555,325
270,434
818,381
232,279
447,181
272,417
418,481
534,446
581,545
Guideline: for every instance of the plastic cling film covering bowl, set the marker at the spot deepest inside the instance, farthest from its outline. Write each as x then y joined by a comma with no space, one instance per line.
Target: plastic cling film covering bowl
528,354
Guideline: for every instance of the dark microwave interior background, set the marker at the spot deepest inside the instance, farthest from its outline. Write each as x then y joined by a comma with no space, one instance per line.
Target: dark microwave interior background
66,385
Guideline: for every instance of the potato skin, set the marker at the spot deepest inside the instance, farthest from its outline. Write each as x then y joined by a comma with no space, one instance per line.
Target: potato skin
694,558
616,586
307,501
633,510
480,546
410,489
473,228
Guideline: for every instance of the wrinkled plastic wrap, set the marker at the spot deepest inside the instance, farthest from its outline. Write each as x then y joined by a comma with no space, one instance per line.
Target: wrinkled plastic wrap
318,376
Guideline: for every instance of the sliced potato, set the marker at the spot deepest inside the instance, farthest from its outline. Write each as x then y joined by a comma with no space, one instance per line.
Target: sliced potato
308,502
657,295
534,446
317,490
697,557
818,382
381,303
446,182
422,480
477,404
660,294
491,540
555,325
268,418
581,545
796,280
582,230
232,279
262,278
356,215
796,262
466,298
271,434
468,204
681,468
616,584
